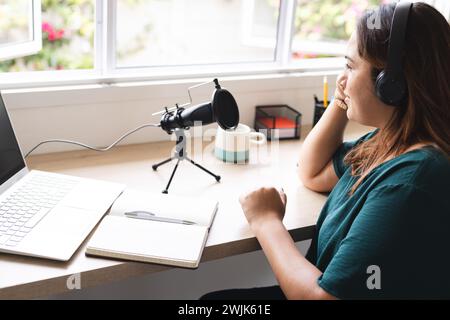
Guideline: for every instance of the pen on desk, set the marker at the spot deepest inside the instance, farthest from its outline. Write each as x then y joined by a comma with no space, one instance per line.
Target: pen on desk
151,216
325,91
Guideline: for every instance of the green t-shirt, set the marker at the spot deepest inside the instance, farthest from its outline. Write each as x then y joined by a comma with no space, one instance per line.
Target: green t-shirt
391,238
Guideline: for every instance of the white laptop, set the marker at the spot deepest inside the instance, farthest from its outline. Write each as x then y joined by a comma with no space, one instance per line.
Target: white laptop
44,214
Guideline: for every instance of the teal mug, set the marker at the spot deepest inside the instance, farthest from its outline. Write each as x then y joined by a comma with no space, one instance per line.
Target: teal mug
234,145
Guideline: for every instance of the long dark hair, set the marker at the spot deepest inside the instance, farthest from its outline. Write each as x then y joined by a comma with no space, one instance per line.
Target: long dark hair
425,117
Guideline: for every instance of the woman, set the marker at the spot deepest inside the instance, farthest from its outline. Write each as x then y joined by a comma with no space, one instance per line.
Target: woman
384,231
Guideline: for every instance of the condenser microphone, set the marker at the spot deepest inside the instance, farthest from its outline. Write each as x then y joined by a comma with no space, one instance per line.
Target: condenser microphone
222,109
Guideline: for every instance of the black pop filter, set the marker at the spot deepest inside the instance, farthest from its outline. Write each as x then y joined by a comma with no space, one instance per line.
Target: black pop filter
222,109
225,109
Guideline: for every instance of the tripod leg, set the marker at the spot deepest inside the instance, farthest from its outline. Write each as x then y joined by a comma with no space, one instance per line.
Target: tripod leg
155,166
171,177
203,168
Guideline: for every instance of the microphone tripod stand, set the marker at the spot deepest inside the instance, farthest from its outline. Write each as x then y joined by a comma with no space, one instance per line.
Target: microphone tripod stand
180,155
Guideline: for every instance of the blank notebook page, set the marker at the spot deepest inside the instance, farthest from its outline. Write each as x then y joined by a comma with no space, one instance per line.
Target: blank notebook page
150,241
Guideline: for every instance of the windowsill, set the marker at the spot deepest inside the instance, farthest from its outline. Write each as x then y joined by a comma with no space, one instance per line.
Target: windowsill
61,80
127,91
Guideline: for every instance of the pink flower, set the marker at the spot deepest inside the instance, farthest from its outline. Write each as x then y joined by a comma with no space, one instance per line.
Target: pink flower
302,55
51,36
47,27
59,34
297,55
52,33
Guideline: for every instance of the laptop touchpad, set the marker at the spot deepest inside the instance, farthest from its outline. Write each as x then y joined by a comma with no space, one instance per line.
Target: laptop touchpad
61,233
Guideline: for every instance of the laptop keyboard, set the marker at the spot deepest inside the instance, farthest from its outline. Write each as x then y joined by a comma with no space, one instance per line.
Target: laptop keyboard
23,209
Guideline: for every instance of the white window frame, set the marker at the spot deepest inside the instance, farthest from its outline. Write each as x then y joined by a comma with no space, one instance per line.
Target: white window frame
105,72
246,33
182,71
20,49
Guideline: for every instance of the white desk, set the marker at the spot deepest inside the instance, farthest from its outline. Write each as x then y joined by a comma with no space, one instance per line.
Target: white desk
25,277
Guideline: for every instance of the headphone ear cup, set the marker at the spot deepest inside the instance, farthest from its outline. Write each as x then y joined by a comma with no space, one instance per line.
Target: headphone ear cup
390,91
379,84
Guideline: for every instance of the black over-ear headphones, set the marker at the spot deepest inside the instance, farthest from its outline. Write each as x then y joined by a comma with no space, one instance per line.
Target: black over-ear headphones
390,84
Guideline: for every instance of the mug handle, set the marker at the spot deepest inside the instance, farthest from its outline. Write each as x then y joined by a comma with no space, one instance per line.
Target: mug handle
258,138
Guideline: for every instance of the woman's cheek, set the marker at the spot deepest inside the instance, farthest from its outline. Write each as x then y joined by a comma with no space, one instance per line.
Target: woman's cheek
351,102
350,113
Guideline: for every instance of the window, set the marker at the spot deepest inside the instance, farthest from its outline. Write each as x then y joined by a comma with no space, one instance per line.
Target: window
67,37
322,27
186,32
20,32
88,41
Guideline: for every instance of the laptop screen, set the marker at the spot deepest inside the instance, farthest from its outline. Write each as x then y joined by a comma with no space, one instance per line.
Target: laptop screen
11,160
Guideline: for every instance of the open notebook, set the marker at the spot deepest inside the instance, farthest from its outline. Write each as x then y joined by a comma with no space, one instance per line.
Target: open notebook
177,238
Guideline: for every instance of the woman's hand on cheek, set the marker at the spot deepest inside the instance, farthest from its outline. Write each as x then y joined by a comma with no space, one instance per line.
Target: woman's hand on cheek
262,205
341,82
339,94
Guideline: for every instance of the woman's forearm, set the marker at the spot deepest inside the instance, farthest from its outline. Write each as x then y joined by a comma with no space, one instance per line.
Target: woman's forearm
321,143
296,275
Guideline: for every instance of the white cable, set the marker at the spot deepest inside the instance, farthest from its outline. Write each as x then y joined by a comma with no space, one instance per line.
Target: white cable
93,148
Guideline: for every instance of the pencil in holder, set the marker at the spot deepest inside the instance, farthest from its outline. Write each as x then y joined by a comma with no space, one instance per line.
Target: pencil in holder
319,110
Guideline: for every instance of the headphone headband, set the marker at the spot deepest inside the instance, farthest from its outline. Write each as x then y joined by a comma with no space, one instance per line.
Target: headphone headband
397,37
390,85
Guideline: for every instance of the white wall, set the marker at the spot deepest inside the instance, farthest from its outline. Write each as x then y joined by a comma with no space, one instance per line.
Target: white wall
98,114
